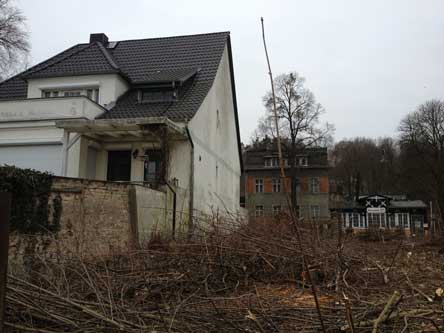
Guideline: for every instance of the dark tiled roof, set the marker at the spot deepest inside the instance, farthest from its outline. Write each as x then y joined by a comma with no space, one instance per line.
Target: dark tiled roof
139,61
89,59
16,87
177,75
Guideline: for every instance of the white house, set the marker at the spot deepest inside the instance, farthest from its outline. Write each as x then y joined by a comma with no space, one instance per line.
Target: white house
161,112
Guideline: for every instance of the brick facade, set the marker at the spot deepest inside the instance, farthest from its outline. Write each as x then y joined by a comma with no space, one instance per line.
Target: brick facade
309,199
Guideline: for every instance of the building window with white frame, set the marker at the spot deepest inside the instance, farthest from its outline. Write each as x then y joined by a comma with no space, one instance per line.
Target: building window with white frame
314,185
276,210
259,185
354,220
362,222
272,162
315,212
72,93
91,93
276,185
259,211
403,220
303,161
376,220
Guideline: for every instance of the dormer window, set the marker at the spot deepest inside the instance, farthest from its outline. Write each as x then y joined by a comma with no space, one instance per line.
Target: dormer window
152,95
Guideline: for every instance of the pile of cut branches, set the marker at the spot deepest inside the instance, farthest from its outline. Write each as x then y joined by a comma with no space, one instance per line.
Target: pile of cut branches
249,279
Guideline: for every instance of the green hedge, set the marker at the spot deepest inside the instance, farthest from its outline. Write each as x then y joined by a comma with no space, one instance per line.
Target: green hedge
30,197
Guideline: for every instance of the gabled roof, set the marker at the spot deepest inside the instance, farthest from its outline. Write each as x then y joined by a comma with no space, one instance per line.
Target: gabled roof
87,59
168,75
191,60
194,58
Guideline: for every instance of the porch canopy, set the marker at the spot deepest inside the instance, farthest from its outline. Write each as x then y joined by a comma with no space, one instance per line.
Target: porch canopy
119,131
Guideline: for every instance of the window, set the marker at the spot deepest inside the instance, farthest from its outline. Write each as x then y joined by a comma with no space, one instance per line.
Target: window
276,184
403,219
259,185
276,210
315,212
152,166
376,220
392,221
71,93
362,222
303,161
354,220
92,94
314,185
272,162
157,95
259,211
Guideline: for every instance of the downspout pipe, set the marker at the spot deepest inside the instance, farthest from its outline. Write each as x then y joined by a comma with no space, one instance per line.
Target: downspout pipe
191,199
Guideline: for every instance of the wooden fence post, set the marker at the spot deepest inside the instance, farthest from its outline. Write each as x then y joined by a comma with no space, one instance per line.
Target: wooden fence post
5,211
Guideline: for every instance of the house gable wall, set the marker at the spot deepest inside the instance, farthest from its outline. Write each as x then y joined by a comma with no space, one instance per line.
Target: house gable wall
217,166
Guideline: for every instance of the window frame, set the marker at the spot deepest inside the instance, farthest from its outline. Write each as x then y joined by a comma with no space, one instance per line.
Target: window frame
276,185
355,220
303,161
92,93
259,184
315,187
259,212
276,209
317,209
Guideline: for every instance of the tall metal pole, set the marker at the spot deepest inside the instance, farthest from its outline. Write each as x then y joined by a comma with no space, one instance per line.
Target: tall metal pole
305,263
5,212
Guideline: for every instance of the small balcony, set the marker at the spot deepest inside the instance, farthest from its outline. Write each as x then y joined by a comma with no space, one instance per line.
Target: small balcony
56,108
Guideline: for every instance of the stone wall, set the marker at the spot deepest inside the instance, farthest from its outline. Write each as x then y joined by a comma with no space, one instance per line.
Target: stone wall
95,220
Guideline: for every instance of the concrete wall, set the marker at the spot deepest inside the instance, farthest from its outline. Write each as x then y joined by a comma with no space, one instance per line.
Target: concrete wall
216,157
151,213
48,109
111,86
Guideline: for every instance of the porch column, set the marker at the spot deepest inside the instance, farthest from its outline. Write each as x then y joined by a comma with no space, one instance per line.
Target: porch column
65,140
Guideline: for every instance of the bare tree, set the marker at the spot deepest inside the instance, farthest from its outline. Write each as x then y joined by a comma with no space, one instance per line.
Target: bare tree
422,146
366,166
14,45
299,120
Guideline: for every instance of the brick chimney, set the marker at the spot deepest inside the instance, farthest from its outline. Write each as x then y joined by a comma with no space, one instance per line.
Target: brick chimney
98,37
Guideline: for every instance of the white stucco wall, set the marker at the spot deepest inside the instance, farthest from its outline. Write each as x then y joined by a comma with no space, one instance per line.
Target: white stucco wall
151,213
33,132
216,157
111,86
30,124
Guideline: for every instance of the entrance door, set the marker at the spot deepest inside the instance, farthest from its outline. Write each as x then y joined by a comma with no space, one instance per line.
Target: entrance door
119,165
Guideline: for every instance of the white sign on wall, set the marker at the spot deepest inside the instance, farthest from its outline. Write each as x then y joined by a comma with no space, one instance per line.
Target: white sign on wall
376,210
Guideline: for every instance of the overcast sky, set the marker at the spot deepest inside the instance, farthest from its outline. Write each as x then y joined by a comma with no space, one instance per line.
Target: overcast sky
367,62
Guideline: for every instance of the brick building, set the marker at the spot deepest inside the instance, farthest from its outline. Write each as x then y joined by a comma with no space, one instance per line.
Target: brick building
264,191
